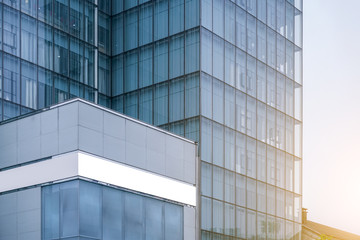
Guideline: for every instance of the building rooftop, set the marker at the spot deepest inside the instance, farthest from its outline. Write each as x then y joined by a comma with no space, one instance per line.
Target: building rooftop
336,234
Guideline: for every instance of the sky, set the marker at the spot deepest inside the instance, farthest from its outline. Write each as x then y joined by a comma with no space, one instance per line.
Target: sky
331,167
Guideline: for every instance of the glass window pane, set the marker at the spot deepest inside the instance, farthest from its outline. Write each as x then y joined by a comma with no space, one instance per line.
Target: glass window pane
50,212
11,78
131,104
280,16
240,28
261,41
218,14
218,144
261,121
251,35
251,76
271,126
206,51
218,183
192,11
161,104
229,220
262,226
206,14
113,209
154,221
280,55
218,101
230,21
251,157
251,117
145,24
161,19
145,105
104,43
251,193
192,96
270,202
230,64
206,95
271,165
131,71
229,149
280,169
218,217
45,46
218,57
261,161
176,56
173,222
240,190
69,209
90,210
192,51
161,61
240,153
134,215
61,14
229,186
104,75
29,7
45,95
11,36
206,140
117,36
280,202
45,10
176,13
289,207
261,10
261,197
145,66
251,224
176,100
61,58
206,207
206,179
131,29
28,39
271,48
229,106
28,85
240,70
240,222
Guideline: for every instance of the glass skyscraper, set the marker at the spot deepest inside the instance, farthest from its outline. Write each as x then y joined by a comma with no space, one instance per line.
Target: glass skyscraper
225,73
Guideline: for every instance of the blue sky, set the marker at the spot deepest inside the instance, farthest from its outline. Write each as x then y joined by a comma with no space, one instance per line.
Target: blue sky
332,112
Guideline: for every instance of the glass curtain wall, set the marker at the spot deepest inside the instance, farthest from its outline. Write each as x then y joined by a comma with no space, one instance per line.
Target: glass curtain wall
48,54
232,82
251,119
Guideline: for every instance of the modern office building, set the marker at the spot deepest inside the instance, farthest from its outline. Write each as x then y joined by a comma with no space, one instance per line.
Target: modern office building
224,73
78,171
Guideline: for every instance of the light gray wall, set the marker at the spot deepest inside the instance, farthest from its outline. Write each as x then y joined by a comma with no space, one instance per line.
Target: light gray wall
81,126
20,215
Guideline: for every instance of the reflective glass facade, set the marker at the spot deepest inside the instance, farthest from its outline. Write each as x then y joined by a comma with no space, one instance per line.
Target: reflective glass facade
225,73
80,210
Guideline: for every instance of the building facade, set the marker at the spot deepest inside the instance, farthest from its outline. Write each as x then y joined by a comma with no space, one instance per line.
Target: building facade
78,171
224,73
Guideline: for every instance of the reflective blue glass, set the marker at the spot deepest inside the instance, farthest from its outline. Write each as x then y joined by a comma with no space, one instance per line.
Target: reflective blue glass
176,16
161,17
90,202
11,36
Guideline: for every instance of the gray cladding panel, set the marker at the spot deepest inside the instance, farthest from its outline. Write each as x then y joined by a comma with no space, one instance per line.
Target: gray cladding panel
81,126
20,215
